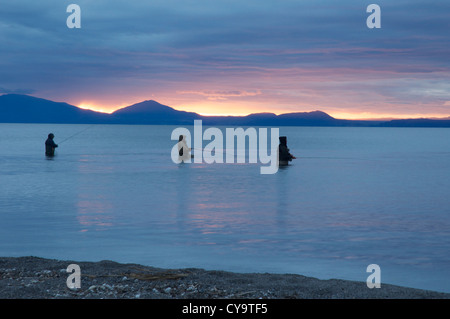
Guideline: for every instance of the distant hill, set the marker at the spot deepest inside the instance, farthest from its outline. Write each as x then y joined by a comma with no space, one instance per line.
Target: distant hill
16,108
152,112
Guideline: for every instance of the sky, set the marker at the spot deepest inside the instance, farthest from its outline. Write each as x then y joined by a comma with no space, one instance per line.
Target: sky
229,57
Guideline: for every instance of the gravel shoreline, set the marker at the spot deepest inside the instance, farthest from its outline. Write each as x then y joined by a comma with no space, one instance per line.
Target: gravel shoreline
39,278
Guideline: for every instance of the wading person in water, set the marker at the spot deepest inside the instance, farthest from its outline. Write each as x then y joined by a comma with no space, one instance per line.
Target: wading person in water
183,150
284,157
50,145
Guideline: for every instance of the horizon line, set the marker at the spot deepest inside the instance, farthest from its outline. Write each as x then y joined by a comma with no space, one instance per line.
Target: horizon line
373,117
344,115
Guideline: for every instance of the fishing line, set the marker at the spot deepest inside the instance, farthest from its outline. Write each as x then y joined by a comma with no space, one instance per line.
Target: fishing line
299,157
76,134
224,152
212,151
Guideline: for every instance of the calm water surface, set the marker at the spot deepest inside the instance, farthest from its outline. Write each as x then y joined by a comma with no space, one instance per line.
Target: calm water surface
354,196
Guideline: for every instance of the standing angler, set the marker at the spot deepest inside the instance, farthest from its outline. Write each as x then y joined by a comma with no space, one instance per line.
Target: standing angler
50,145
284,156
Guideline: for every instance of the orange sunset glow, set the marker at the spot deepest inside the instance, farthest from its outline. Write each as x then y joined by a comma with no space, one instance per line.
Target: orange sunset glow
211,108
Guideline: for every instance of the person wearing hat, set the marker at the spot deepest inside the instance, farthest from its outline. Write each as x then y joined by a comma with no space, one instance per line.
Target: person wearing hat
284,157
50,145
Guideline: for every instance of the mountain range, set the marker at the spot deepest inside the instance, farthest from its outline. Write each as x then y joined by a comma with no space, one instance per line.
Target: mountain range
17,108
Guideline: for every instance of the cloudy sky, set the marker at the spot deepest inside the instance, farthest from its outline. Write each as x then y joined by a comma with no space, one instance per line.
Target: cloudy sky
232,57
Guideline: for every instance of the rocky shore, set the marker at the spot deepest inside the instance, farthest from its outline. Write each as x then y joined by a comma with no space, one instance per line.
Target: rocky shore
38,278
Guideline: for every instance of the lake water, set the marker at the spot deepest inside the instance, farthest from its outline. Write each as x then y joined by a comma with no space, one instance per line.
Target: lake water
354,197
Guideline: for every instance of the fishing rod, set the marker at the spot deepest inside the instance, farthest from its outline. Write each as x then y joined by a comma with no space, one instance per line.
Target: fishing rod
85,129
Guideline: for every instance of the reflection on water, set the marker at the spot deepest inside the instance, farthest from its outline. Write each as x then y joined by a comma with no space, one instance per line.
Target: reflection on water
93,214
94,210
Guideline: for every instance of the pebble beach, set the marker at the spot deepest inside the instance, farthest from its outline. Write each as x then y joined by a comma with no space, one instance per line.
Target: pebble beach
39,278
